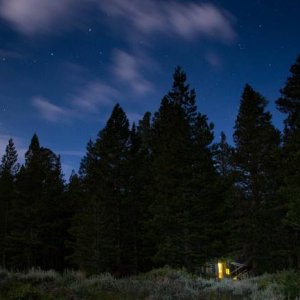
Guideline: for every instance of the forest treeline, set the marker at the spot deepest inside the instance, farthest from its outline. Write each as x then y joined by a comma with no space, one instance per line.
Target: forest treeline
160,192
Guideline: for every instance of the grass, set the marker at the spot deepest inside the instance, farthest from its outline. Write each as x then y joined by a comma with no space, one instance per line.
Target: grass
164,284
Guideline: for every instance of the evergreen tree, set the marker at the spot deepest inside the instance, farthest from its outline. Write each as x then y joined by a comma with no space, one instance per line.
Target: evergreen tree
74,196
9,160
289,103
223,155
8,170
139,164
256,160
183,173
103,226
38,232
84,242
183,96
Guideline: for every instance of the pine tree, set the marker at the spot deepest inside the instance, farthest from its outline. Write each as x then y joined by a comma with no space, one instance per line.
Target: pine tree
209,200
38,232
256,160
289,103
184,176
183,96
8,170
74,196
223,155
139,167
83,230
102,228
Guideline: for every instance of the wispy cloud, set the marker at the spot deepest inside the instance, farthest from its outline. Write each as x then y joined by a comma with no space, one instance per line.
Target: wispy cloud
50,111
39,16
185,19
182,19
127,68
94,96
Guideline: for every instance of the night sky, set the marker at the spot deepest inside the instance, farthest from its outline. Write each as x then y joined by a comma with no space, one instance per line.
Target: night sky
64,64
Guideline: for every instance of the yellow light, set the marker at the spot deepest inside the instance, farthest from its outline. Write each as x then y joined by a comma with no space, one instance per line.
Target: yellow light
227,271
220,270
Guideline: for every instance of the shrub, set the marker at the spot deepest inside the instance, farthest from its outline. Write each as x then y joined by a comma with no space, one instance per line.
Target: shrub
164,283
27,292
37,276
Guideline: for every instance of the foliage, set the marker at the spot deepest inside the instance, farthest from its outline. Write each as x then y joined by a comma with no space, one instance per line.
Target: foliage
38,229
104,229
158,193
164,283
185,183
258,180
8,170
289,104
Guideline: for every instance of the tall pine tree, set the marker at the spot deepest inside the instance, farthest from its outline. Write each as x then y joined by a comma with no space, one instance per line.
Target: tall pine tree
256,160
223,154
39,232
8,171
104,228
289,103
184,179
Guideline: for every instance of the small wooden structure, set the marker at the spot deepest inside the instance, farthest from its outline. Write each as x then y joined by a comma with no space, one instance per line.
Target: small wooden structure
221,269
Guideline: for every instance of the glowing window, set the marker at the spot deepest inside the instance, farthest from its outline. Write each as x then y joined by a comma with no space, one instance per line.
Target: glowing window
220,270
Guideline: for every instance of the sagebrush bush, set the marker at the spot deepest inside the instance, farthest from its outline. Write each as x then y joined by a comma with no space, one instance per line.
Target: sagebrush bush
159,284
36,276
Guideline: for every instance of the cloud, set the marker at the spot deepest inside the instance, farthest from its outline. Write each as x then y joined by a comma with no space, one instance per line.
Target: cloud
39,16
95,95
187,20
90,99
50,111
127,68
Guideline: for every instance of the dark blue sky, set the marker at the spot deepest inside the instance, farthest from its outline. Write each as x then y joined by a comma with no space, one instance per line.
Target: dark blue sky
64,64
